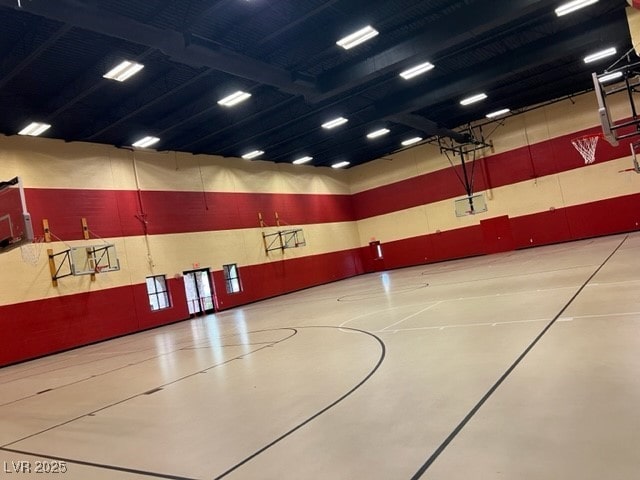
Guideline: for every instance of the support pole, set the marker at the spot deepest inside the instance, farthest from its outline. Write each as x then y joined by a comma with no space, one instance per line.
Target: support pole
52,266
45,229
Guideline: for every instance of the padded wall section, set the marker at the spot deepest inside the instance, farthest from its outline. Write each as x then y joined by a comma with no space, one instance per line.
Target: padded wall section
40,327
281,276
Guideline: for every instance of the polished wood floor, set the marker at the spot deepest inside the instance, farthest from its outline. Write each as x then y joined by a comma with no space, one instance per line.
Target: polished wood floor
523,365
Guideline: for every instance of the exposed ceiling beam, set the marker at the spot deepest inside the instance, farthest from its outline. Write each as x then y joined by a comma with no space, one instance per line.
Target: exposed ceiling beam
151,95
429,127
24,63
297,22
462,26
568,43
183,49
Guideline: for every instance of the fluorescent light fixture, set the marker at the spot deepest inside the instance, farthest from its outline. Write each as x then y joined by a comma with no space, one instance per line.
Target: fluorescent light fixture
340,164
302,160
34,129
609,77
498,113
146,142
336,122
417,70
378,133
599,55
254,154
234,99
573,6
356,38
411,141
123,71
473,99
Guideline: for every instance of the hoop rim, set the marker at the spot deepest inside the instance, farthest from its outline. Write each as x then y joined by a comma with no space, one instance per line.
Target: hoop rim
588,136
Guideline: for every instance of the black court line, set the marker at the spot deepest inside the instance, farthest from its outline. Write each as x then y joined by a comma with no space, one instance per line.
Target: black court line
123,367
119,402
383,351
98,465
425,466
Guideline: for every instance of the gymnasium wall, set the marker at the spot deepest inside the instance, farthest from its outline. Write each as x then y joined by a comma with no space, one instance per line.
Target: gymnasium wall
168,212
537,188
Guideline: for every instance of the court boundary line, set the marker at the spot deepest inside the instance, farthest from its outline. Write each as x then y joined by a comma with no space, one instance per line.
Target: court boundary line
383,352
433,457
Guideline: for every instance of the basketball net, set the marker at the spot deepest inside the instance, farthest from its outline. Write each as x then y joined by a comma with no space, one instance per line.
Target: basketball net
31,251
587,147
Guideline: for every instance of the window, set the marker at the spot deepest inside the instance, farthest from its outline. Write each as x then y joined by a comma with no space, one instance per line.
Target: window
232,278
158,293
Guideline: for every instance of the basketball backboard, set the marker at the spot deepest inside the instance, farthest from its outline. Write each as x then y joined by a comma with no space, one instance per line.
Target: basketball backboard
622,82
15,223
92,259
470,205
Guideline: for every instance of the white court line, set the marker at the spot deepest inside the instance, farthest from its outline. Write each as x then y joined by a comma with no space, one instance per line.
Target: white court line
411,316
595,284
603,315
462,325
495,324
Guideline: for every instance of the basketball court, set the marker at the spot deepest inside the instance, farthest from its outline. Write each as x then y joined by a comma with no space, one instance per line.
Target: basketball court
518,361
518,365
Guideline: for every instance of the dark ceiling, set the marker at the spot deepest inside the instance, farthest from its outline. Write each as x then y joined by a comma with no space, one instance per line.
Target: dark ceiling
54,52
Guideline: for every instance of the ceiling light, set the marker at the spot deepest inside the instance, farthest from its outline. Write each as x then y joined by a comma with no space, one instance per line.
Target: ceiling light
123,71
146,142
254,154
498,113
234,99
411,141
599,55
34,129
473,99
358,37
340,164
302,160
334,123
378,133
610,76
417,70
573,6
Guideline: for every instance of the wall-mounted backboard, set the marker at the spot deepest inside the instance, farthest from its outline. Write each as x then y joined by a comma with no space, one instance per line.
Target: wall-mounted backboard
92,259
15,223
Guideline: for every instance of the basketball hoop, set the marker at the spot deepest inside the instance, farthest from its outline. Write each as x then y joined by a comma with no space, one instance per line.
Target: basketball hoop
587,147
31,251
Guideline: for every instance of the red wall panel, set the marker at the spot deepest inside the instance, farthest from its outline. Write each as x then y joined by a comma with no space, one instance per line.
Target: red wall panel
41,327
541,228
497,234
621,214
282,276
116,213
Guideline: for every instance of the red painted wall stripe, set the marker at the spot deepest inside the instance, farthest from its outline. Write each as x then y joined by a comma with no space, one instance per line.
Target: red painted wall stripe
116,213
518,165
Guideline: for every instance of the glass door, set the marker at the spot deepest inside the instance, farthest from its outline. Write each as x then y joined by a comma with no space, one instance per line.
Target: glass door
197,285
